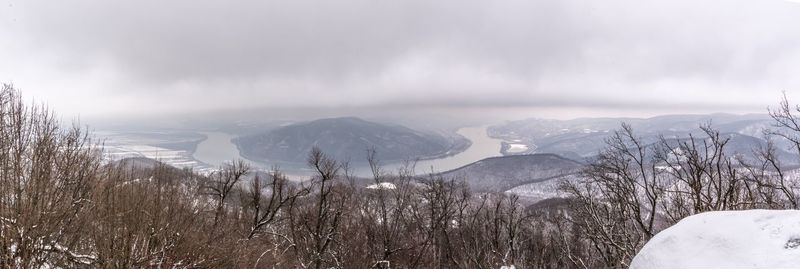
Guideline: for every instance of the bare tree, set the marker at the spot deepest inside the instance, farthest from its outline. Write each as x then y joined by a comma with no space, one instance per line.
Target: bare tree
385,213
315,226
223,182
635,189
46,176
788,129
271,203
617,200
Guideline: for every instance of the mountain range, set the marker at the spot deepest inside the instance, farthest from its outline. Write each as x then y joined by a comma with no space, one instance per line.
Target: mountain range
579,139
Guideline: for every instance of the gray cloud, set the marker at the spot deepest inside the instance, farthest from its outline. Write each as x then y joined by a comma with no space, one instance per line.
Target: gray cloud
106,57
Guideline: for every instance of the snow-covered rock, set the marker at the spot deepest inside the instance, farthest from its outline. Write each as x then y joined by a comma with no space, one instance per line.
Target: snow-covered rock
754,239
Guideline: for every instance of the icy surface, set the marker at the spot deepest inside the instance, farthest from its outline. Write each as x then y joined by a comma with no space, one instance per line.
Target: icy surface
752,239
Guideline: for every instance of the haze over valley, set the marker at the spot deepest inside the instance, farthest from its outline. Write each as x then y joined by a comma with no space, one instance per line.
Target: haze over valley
431,150
400,134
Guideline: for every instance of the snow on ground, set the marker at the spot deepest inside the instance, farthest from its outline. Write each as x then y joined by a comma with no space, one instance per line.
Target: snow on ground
754,239
382,186
517,148
537,191
177,158
121,145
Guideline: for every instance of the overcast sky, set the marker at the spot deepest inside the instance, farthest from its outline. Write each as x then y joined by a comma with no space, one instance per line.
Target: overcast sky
124,57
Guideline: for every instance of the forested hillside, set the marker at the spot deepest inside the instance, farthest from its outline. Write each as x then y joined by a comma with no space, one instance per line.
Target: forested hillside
347,139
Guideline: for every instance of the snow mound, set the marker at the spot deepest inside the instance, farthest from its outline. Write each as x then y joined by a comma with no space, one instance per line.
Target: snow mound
751,239
382,186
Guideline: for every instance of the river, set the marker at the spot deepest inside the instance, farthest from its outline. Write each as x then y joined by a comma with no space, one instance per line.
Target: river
218,149
482,147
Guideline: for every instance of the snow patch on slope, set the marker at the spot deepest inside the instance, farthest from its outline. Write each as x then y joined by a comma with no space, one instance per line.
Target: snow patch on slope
751,239
382,186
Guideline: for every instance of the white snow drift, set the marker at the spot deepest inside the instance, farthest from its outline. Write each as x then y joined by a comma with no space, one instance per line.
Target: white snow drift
752,239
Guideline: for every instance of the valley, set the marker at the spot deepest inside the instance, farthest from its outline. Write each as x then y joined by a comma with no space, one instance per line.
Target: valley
573,140
218,147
